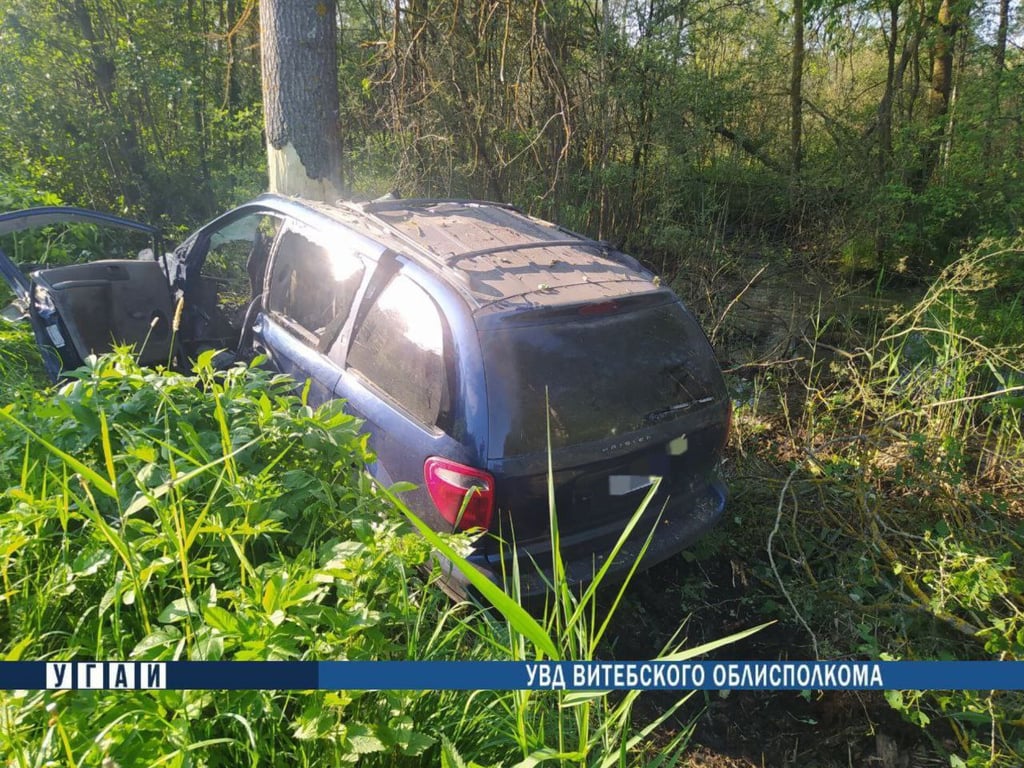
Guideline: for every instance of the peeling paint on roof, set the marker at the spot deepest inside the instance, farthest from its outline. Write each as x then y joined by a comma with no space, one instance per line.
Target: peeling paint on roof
527,273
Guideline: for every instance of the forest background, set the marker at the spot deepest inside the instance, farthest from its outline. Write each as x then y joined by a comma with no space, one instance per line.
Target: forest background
884,133
837,188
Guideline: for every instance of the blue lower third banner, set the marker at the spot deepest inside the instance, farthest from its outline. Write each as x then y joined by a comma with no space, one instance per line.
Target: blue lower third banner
509,675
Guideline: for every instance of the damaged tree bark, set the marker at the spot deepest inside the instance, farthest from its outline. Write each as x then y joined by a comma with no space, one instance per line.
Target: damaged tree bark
300,97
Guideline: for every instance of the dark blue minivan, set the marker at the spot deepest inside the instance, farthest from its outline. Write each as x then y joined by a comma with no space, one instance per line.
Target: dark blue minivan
462,332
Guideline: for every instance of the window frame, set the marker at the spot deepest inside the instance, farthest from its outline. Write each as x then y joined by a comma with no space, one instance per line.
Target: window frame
335,244
192,261
385,277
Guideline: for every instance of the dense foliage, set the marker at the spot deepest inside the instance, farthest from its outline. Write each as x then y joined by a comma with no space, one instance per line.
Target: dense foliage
890,132
154,516
884,485
157,516
740,148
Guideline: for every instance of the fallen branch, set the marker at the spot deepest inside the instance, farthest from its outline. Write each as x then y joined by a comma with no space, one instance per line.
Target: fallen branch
731,304
921,600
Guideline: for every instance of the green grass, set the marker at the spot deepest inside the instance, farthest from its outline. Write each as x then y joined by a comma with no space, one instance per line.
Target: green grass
887,479
589,728
21,368
155,516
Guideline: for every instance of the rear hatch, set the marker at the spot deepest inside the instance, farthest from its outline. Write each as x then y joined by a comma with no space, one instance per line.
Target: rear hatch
633,391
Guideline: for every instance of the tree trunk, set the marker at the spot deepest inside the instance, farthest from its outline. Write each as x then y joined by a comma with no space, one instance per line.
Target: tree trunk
942,62
300,97
1004,23
939,91
885,107
997,82
232,90
796,88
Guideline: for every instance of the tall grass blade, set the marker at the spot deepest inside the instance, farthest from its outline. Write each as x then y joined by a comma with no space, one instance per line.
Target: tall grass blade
514,613
89,474
153,494
108,453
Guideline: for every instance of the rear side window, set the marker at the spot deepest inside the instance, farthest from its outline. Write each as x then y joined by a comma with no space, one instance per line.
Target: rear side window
400,348
238,252
313,286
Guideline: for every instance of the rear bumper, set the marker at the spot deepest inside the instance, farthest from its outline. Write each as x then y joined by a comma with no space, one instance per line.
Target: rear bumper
683,520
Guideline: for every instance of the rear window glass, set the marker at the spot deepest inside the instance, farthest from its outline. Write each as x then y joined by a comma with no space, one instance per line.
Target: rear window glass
605,376
399,347
313,286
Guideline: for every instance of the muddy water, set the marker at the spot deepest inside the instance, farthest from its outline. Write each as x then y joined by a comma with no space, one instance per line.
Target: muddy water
763,313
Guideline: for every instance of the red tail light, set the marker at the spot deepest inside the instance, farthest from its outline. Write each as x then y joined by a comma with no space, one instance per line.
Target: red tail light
449,483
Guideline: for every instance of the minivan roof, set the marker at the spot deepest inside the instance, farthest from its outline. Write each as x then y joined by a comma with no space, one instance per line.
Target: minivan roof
501,258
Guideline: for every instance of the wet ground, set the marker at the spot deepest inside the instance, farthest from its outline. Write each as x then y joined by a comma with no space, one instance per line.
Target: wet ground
756,318
743,729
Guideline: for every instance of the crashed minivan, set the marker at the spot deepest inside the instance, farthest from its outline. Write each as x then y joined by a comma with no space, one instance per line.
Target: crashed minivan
473,340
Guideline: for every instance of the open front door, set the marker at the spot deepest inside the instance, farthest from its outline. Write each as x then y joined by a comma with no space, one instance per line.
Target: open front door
85,309
81,309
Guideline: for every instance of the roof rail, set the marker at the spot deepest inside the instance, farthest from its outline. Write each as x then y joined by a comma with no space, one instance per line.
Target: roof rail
400,204
417,250
455,258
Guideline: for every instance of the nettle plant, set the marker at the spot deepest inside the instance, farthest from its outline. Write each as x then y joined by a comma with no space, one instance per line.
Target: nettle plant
157,516
152,515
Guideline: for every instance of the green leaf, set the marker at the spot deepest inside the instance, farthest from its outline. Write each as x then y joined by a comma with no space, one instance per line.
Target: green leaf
895,700
18,648
144,453
208,647
700,650
450,758
417,743
204,361
156,644
220,619
363,740
179,610
108,452
89,474
264,405
88,563
313,723
514,613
